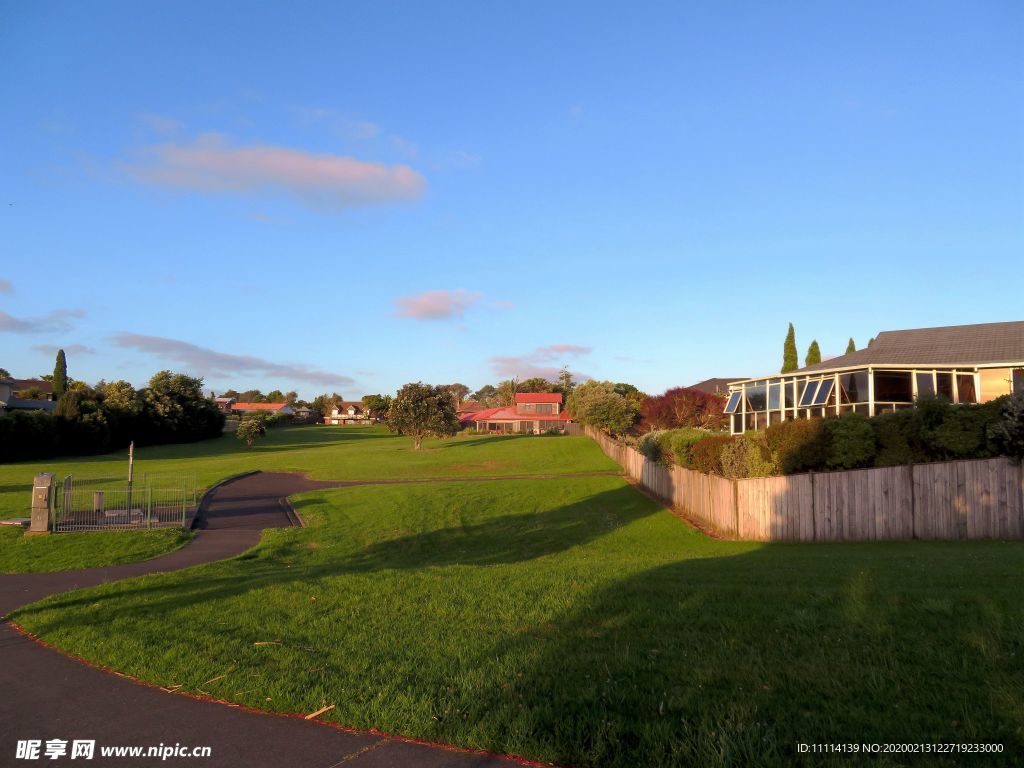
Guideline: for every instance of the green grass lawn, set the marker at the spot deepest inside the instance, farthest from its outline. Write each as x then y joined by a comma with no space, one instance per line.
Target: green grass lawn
323,453
62,552
575,621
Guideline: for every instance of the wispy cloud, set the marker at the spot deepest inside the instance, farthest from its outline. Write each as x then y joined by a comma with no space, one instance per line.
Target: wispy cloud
6,286
342,125
70,349
208,362
58,321
436,305
544,362
211,164
164,126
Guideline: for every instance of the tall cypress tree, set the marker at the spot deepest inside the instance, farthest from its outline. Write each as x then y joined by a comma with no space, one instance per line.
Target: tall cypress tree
60,375
813,354
789,358
851,347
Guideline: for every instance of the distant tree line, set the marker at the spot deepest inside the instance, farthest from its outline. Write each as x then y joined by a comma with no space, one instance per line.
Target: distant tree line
107,416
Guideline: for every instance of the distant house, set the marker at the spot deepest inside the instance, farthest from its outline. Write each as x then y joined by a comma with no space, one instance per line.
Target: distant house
533,413
716,386
281,409
224,404
469,406
349,412
306,414
9,401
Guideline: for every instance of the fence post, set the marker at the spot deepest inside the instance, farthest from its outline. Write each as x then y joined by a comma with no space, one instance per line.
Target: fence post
736,504
814,511
149,506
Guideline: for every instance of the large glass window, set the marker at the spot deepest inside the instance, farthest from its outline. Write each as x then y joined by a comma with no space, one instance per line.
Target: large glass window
1018,379
944,384
789,387
893,387
925,385
774,396
821,397
734,402
965,388
737,423
757,396
854,386
809,391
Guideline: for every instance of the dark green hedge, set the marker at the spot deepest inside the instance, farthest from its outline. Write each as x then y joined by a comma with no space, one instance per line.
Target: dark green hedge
935,430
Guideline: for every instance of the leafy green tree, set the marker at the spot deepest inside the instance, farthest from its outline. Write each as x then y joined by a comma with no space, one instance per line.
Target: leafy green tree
487,394
535,384
789,357
813,354
596,404
631,393
252,396
565,383
292,398
230,393
275,396
251,428
4,373
420,410
459,392
60,375
377,405
851,346
175,409
507,389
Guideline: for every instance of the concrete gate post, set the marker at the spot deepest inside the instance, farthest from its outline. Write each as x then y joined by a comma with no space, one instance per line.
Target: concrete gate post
42,496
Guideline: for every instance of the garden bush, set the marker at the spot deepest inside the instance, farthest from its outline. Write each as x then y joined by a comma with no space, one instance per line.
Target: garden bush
748,456
706,453
798,446
851,442
1007,434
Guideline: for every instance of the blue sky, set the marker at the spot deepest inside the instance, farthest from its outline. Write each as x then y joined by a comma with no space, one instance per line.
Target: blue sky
349,197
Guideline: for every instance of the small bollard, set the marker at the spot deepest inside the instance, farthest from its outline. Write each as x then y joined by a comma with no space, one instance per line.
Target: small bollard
42,494
97,504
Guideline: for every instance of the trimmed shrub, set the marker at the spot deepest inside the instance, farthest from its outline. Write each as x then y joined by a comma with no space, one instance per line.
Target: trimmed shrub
680,443
706,453
1007,434
650,445
898,437
748,456
798,446
851,442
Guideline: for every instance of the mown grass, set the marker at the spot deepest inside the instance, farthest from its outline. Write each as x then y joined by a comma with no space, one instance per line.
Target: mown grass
574,621
67,551
323,453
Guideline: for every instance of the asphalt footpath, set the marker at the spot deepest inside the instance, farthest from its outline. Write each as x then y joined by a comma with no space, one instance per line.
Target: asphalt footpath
45,695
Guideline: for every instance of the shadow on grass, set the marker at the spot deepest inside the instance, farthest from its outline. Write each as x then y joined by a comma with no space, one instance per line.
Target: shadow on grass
503,540
733,661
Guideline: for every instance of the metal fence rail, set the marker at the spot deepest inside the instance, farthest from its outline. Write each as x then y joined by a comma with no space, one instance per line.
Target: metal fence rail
99,507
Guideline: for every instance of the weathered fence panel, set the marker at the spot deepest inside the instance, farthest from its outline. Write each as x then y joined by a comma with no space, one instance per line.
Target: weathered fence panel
976,499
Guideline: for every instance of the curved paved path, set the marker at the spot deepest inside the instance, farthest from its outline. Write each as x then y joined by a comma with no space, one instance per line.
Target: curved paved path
47,695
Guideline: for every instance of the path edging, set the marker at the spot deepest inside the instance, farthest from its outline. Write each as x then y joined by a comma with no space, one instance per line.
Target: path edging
205,499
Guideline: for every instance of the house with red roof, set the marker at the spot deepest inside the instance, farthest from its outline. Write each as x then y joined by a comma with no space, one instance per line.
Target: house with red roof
533,413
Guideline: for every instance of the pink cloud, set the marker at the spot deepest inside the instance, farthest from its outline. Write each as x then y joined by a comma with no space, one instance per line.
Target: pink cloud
538,364
210,164
436,305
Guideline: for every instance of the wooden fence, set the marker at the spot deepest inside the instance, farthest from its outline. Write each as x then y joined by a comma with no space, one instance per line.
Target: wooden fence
977,499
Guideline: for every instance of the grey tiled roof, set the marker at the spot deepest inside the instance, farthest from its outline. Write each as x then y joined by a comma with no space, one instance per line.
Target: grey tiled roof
949,345
716,385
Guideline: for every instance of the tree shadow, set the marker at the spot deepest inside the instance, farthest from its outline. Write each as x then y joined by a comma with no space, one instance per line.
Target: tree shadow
734,661
503,540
